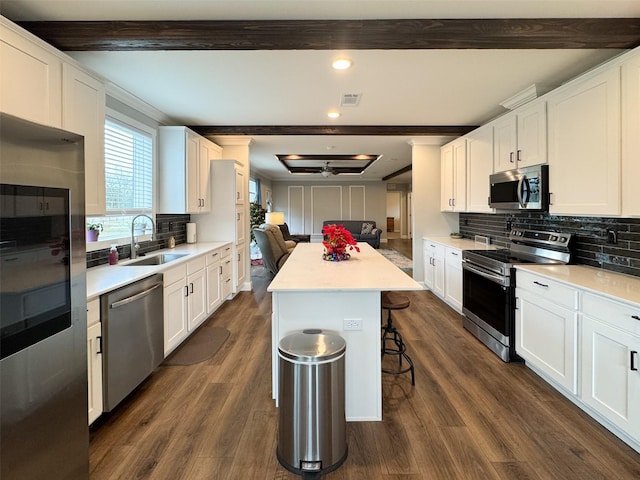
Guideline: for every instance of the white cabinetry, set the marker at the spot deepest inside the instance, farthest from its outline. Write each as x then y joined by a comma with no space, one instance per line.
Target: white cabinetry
175,307
584,145
453,278
196,293
30,77
453,176
434,267
631,136
84,112
611,362
226,265
214,280
184,170
546,328
479,168
94,360
521,138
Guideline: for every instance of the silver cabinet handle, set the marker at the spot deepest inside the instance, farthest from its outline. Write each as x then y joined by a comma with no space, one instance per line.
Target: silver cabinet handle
510,157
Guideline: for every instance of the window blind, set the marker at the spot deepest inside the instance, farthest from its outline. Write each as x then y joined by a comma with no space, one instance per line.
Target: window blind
128,169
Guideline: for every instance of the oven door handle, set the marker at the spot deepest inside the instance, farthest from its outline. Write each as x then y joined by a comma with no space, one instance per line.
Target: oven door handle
489,276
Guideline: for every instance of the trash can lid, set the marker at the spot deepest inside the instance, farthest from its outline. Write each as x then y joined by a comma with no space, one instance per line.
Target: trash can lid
312,346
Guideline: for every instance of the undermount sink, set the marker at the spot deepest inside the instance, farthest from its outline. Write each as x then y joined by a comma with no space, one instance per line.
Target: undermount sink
156,259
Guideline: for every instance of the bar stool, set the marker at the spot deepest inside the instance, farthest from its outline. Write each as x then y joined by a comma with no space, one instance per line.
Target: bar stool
392,343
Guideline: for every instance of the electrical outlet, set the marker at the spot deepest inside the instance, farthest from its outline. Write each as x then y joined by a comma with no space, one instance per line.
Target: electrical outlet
352,324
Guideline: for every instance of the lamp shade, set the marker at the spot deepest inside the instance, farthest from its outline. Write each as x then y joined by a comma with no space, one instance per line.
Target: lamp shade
274,218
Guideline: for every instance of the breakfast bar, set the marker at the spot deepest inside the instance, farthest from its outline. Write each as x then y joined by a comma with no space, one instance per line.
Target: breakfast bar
342,298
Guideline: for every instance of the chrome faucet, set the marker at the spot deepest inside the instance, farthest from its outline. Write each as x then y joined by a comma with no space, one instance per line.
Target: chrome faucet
134,243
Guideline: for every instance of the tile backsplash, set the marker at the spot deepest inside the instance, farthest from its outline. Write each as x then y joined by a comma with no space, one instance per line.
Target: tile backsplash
166,226
607,243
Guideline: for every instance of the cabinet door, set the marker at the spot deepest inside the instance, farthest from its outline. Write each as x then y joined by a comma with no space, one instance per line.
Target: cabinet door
446,178
610,375
460,175
532,135
194,200
227,277
453,279
30,80
175,315
631,136
546,338
214,287
240,266
207,153
84,113
241,225
94,371
196,299
479,168
438,271
428,265
584,146
506,143
241,186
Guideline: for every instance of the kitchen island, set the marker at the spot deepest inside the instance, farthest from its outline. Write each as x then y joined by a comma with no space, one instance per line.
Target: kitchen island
342,298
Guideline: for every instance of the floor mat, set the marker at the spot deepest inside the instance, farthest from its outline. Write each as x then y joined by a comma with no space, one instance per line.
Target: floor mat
403,263
201,346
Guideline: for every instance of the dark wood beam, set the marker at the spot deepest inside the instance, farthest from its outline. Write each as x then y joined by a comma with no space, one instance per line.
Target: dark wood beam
378,130
519,33
397,172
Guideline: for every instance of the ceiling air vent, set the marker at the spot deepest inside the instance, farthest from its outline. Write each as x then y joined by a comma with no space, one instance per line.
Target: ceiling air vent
350,99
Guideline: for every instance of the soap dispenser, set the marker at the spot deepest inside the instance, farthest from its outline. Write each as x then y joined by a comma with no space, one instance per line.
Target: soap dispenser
113,255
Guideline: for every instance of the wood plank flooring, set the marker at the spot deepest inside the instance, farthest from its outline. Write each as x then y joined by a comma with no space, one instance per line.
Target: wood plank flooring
469,416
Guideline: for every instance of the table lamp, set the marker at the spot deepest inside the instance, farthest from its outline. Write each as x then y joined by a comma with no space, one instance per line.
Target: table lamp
274,218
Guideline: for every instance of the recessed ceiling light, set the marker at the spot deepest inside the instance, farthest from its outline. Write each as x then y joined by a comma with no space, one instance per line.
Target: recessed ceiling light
341,63
333,114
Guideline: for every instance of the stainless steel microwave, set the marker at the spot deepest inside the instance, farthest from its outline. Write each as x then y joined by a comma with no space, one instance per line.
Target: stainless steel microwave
522,189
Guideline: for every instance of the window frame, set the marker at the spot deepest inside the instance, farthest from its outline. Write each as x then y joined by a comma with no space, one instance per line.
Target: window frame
118,117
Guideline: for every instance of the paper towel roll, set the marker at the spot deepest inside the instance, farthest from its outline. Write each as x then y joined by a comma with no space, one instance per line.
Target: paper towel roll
191,233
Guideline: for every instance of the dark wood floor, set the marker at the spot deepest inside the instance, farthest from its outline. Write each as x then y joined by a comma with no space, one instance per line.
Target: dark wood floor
469,416
402,245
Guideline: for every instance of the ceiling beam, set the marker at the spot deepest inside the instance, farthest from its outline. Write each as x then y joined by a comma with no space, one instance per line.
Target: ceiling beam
398,172
390,34
378,130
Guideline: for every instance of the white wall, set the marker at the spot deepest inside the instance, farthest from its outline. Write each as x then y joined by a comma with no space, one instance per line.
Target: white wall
427,217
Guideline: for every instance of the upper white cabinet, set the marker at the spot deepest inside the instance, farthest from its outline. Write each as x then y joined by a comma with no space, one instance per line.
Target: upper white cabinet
631,136
83,112
30,78
453,176
241,183
479,167
584,145
184,170
521,137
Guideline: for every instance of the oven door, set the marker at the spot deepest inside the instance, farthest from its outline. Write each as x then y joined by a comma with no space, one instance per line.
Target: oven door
487,300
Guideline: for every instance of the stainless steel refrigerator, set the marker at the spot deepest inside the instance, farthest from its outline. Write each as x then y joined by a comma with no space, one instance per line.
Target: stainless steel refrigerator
43,320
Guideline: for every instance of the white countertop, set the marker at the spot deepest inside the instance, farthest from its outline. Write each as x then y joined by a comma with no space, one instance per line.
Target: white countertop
460,243
105,278
613,285
367,270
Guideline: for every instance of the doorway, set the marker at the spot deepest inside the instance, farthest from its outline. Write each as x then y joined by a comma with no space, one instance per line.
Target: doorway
394,215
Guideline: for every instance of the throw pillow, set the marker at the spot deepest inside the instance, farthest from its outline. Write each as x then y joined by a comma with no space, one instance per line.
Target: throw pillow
367,228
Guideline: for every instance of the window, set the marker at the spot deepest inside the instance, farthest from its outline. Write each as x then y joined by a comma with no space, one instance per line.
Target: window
253,190
129,174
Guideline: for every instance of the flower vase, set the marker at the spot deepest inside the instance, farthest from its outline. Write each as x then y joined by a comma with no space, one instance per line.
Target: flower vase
335,253
92,235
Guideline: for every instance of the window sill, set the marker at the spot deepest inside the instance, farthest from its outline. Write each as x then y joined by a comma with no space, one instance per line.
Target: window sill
107,242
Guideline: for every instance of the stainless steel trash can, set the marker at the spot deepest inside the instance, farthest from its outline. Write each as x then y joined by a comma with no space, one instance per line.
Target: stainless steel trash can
312,437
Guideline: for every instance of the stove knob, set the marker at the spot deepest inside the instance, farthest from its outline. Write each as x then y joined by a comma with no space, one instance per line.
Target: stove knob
563,239
553,238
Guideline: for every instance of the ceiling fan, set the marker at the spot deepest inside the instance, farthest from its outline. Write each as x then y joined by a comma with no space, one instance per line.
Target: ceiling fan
326,170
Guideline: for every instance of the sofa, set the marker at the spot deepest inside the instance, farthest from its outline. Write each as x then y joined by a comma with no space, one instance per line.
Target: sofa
361,230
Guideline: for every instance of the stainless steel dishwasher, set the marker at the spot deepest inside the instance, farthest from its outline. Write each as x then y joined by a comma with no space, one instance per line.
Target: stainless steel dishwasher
132,337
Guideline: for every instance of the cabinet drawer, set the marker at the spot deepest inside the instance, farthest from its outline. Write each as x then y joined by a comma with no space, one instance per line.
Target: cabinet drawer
93,312
226,251
454,258
196,264
172,275
227,268
553,291
214,256
617,314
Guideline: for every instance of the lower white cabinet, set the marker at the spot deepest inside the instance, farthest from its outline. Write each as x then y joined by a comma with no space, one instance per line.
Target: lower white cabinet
94,360
196,293
611,362
434,267
214,280
546,337
453,278
226,280
175,308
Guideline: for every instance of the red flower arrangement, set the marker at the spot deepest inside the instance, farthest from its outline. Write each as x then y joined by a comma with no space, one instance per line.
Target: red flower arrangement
337,240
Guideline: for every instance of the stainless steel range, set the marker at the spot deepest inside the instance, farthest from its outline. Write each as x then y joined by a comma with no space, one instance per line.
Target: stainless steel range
489,284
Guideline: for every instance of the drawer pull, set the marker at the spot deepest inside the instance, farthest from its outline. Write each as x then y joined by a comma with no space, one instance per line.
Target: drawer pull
635,317
632,360
541,284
